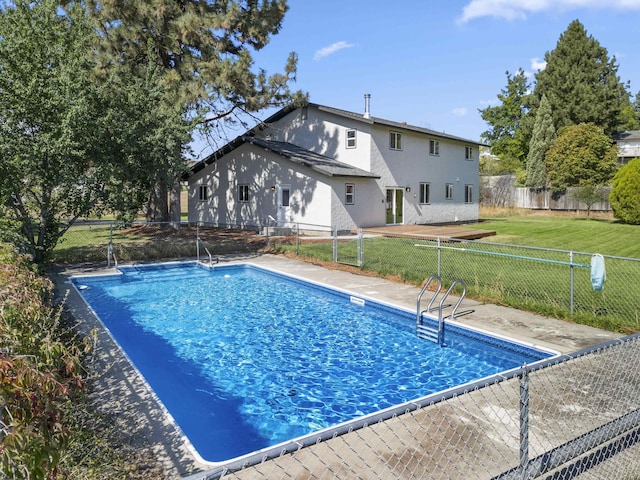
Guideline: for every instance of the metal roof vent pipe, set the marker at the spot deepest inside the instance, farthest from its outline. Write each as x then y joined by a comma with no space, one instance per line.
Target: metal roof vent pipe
367,101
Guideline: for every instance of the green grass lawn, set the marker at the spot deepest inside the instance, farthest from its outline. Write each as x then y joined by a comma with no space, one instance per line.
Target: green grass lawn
565,232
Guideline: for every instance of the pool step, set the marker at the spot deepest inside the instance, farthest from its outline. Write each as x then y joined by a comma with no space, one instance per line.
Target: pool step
427,333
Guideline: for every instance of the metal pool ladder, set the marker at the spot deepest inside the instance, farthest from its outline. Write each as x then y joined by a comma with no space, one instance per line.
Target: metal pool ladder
430,333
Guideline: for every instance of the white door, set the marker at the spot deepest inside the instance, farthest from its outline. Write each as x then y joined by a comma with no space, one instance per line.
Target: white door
284,211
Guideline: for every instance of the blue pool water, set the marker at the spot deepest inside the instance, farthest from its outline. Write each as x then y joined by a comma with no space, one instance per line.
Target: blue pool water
244,358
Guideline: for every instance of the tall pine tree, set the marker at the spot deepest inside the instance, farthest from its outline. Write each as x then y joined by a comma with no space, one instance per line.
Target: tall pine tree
204,51
505,119
543,137
581,83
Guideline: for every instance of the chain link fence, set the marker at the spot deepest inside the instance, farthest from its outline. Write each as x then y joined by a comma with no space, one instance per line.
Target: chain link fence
551,282
576,416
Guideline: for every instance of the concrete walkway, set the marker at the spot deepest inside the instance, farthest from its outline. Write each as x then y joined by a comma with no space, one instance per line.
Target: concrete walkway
122,392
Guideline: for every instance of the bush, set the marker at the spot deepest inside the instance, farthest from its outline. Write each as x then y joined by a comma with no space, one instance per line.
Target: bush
39,372
625,194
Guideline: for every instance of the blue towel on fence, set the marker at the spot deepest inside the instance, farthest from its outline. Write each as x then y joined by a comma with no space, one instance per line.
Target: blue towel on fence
598,274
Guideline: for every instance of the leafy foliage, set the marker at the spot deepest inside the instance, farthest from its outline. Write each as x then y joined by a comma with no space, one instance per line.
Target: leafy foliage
625,194
544,134
51,165
39,373
581,155
589,194
581,83
505,136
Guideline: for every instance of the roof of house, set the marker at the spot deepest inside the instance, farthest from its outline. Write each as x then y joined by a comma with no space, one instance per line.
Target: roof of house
629,136
319,163
369,120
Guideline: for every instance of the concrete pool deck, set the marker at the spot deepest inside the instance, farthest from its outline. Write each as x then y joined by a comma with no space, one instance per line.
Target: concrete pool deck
120,392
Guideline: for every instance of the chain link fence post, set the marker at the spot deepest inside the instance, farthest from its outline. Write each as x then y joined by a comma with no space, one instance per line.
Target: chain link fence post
524,423
571,273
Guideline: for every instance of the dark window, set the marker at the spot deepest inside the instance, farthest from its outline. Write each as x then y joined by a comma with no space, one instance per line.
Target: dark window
448,191
424,193
349,193
243,193
395,141
434,147
203,193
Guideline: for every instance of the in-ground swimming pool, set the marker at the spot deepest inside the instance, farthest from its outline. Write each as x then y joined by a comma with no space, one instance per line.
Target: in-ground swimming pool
244,358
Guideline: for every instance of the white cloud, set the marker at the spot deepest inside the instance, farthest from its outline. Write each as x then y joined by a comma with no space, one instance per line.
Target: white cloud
459,112
519,9
331,49
538,64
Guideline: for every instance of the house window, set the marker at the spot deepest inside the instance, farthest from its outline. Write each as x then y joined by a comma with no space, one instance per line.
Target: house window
468,153
349,193
304,113
243,193
448,191
351,138
395,140
434,147
468,194
203,193
424,193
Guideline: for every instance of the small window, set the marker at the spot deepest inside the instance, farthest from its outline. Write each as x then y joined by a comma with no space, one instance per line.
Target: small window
468,153
434,147
203,193
424,193
468,194
243,193
395,141
304,113
349,193
351,138
448,191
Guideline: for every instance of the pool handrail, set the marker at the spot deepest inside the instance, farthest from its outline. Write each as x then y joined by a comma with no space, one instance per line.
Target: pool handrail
453,311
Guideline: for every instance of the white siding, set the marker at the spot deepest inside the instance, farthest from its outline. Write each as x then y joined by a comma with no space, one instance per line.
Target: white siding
413,165
324,133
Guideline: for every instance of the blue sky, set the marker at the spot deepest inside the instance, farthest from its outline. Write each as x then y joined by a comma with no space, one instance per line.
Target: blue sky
434,63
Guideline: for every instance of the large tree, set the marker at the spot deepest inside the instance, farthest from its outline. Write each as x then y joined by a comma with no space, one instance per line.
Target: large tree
51,163
581,155
544,134
505,120
204,50
581,83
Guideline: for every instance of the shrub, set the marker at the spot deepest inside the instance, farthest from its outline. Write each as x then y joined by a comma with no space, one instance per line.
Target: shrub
625,194
39,372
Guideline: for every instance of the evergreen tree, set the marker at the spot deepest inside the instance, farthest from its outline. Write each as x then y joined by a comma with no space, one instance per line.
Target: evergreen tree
625,194
581,83
505,120
204,52
543,137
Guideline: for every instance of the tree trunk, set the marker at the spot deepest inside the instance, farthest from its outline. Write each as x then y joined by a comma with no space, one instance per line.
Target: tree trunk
175,210
158,204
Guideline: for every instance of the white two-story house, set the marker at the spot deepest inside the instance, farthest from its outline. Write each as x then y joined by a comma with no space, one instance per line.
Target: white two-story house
319,165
